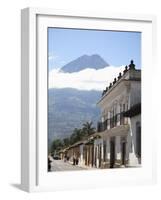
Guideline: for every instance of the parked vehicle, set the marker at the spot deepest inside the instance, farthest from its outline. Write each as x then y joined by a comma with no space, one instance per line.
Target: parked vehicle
56,157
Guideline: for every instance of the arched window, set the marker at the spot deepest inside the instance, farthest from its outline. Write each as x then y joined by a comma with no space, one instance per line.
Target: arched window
138,139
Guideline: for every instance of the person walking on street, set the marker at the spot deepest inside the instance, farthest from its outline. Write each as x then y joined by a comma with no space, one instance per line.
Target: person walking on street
49,163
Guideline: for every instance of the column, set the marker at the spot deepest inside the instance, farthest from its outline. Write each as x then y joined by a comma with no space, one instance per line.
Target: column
132,159
102,152
118,148
108,149
81,155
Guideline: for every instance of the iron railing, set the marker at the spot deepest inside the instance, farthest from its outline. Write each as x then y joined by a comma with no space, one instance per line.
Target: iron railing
111,122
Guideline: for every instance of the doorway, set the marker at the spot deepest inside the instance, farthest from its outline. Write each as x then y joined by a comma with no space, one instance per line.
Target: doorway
138,141
123,153
100,155
112,153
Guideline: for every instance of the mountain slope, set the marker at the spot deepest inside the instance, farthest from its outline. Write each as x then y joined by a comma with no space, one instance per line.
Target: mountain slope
94,61
70,108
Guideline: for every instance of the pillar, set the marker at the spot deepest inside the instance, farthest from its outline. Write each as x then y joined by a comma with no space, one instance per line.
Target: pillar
132,159
108,149
118,148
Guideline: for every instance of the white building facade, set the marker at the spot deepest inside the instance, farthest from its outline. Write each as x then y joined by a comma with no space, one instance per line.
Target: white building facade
119,130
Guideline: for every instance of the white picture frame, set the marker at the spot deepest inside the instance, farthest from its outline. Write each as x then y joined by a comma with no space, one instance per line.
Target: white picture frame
34,176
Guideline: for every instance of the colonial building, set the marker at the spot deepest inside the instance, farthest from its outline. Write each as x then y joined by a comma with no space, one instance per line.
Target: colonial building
80,153
120,126
117,142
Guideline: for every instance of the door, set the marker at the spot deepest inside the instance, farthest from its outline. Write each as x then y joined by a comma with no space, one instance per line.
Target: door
112,153
123,153
138,141
92,155
95,157
100,155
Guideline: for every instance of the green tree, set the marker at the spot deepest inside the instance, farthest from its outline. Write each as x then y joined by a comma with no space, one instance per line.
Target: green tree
88,129
56,145
76,136
66,142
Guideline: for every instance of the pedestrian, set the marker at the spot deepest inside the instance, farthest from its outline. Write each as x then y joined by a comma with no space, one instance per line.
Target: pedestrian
74,160
49,163
65,158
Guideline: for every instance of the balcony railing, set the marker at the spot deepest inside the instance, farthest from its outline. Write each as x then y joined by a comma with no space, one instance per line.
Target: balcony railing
112,122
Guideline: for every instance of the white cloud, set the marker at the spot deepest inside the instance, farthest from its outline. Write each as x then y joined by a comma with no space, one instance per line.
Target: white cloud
52,57
88,79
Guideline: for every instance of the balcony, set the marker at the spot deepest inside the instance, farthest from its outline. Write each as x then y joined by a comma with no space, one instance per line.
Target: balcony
112,122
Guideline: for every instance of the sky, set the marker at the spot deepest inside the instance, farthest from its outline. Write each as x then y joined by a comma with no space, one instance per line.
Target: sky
115,47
